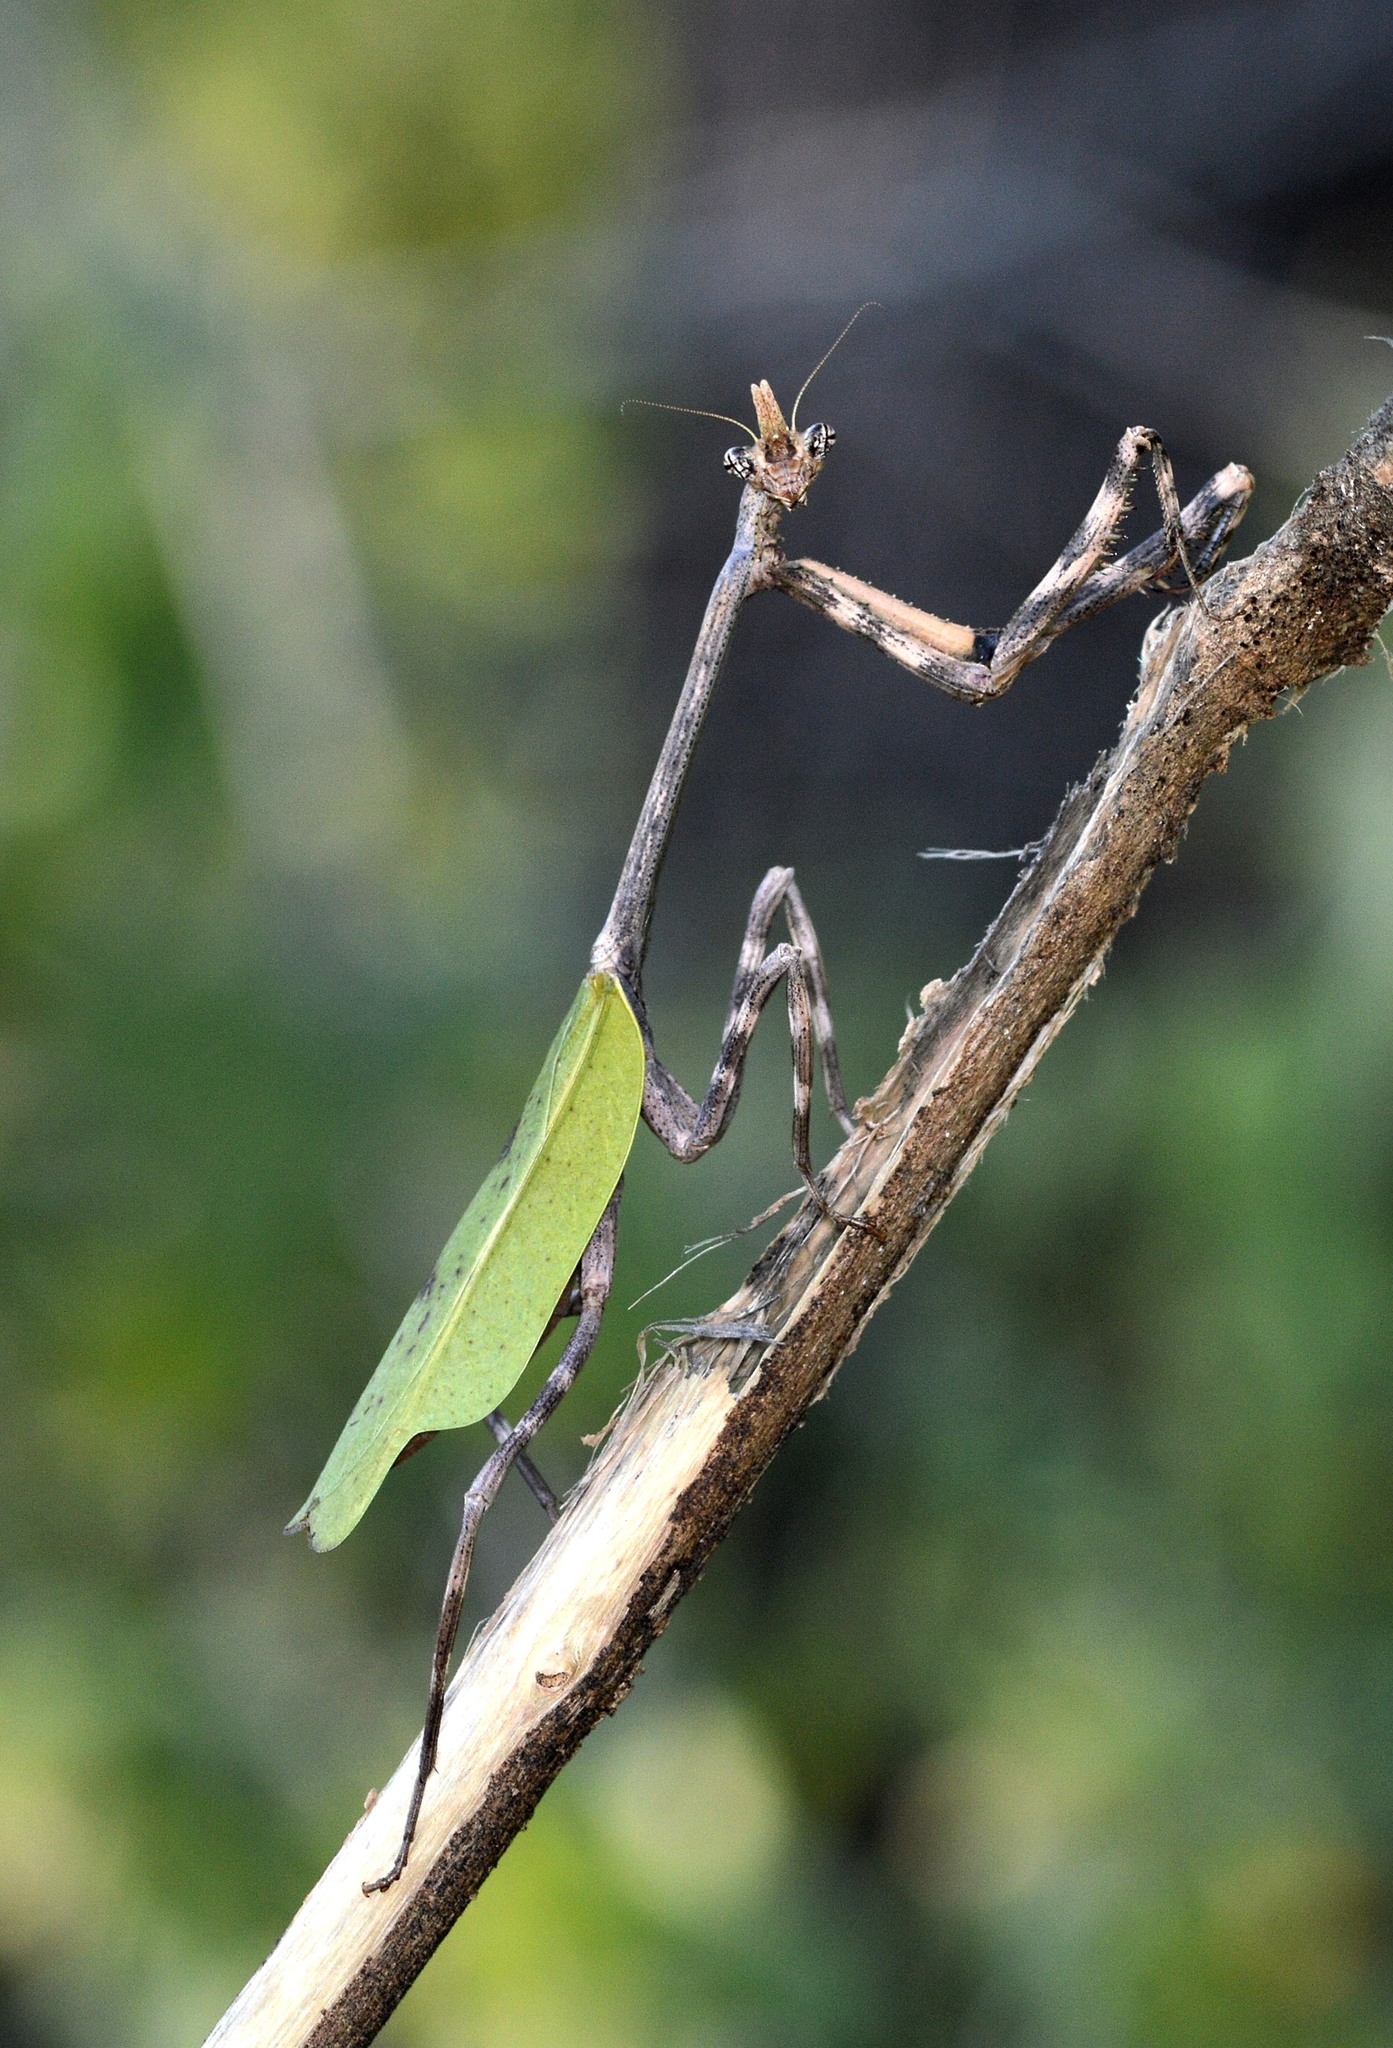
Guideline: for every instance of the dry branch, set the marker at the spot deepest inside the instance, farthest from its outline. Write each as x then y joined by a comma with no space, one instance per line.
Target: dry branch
566,1644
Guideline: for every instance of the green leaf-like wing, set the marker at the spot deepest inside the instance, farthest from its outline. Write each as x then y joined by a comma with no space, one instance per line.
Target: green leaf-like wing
468,1335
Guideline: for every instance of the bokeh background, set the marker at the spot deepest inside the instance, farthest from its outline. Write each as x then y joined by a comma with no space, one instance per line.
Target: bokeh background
1043,1698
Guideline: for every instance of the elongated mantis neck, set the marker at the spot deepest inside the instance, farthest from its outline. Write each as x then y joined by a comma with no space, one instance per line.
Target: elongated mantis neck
623,942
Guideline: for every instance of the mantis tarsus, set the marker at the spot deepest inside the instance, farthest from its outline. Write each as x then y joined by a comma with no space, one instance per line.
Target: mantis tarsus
536,1245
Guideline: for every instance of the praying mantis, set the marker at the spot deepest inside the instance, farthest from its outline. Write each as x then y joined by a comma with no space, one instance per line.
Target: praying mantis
536,1245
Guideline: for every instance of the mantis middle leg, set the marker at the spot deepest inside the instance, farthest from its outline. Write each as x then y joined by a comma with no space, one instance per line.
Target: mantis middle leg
689,1128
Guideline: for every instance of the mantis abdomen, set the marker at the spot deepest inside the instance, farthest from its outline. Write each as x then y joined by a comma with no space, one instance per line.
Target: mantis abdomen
467,1337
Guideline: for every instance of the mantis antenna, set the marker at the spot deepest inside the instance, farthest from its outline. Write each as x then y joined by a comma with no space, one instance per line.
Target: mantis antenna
698,412
793,417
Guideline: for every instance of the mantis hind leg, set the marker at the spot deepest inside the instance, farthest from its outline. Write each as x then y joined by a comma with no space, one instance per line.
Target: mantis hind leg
568,1305
596,1278
536,1485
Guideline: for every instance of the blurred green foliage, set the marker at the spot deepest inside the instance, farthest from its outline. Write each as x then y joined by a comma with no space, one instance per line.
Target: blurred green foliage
1044,1693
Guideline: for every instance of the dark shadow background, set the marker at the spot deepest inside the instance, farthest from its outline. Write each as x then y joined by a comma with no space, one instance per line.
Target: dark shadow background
1042,1696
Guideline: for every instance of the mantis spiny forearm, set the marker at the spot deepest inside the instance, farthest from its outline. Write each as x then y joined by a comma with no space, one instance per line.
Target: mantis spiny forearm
536,1246
977,666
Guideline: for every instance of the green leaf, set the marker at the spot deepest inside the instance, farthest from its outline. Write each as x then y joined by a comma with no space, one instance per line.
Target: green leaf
467,1337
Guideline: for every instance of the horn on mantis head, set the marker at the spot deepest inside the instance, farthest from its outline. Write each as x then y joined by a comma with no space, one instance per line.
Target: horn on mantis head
772,424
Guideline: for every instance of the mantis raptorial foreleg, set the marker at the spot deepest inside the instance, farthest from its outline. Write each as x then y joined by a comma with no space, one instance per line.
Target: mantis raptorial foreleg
977,666
1207,521
596,1278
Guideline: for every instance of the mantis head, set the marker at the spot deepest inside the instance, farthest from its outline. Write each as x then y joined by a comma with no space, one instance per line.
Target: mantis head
780,461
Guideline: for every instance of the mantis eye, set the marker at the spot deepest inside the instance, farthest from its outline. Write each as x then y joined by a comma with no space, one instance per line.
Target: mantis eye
818,439
740,462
